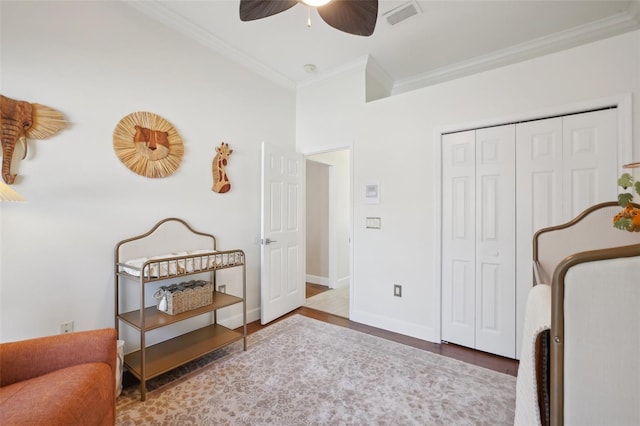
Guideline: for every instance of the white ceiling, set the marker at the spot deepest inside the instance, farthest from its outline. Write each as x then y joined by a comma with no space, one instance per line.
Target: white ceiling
448,39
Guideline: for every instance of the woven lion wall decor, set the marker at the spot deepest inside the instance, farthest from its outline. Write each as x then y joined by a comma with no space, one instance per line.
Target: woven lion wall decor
148,145
22,120
221,182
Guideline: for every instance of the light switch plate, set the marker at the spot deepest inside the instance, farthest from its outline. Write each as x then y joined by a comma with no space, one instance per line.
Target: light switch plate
373,223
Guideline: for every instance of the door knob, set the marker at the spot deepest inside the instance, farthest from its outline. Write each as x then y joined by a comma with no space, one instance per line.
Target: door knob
267,241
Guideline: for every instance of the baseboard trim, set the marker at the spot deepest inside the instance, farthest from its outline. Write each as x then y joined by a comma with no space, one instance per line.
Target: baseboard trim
390,324
314,279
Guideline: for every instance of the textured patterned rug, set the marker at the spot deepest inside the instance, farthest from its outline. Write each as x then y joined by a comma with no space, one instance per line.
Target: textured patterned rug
301,371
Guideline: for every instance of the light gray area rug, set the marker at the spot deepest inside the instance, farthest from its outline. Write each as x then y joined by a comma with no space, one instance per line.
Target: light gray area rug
301,371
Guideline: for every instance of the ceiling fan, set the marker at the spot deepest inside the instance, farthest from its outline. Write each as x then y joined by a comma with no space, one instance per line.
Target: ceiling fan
356,17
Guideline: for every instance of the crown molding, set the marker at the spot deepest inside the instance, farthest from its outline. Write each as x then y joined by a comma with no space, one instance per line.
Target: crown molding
628,20
604,28
177,22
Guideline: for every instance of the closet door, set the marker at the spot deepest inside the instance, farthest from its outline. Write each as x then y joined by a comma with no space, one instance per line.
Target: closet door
495,217
478,242
564,165
458,238
539,175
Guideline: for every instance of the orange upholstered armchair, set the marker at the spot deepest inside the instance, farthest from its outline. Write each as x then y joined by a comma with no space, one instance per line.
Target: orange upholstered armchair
67,379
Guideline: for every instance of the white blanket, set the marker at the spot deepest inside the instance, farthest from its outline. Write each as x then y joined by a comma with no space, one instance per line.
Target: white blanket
537,319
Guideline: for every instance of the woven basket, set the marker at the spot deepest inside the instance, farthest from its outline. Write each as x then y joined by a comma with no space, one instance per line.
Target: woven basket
178,298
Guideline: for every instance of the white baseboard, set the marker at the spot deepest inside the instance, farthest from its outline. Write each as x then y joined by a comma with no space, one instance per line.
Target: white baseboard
343,282
314,279
390,324
235,321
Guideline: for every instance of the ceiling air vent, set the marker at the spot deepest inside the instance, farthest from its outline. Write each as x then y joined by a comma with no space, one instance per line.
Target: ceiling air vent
402,12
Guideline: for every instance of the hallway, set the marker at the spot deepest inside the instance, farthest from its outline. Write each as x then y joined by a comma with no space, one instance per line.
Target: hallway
333,301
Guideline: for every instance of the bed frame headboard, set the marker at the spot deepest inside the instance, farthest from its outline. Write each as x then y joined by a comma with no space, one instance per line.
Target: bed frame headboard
590,230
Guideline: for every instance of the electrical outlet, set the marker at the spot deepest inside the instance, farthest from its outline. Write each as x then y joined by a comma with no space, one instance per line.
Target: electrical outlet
397,290
66,327
222,288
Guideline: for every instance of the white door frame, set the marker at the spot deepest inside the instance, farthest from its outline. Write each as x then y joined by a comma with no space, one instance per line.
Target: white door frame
625,147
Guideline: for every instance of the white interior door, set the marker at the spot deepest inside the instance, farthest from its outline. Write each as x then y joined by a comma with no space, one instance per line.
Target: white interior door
495,273
458,238
282,254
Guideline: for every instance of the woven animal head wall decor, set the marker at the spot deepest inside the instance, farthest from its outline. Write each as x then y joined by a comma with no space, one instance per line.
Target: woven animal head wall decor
221,182
148,145
22,120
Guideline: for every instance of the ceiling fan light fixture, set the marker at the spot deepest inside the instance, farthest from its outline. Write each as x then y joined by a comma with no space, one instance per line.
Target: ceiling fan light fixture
357,17
315,3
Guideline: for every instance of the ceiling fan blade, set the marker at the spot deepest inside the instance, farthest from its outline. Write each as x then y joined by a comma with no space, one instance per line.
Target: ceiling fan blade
356,17
257,9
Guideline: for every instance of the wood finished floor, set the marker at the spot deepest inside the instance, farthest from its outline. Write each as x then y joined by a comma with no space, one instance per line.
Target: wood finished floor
313,289
479,358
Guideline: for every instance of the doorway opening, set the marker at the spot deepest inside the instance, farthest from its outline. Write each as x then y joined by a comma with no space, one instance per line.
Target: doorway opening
328,231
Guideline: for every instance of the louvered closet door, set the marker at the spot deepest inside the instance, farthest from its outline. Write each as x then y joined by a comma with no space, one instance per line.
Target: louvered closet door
458,238
495,260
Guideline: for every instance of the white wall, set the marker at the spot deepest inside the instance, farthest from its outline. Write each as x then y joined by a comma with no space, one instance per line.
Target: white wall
395,144
97,62
329,113
317,210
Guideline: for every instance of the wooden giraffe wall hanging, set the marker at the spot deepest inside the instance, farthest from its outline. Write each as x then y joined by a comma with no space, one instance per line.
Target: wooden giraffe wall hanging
221,182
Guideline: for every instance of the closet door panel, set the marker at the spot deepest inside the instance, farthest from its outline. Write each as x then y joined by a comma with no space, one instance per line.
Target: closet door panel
495,240
539,176
590,159
458,238
539,158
